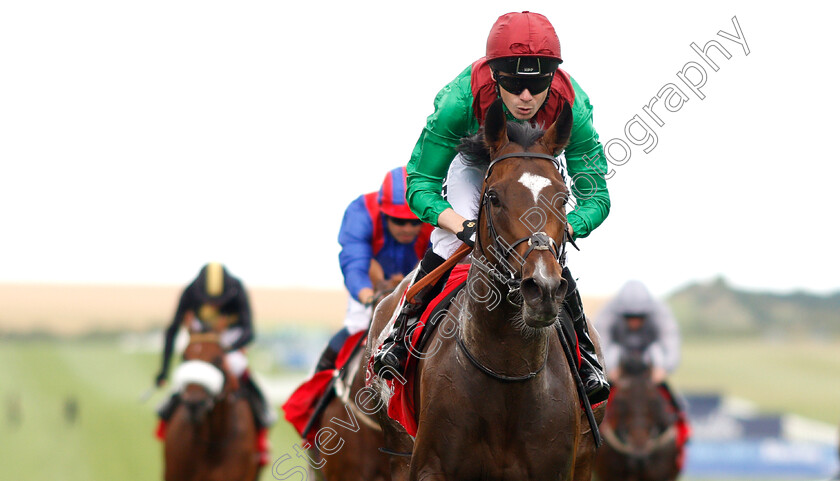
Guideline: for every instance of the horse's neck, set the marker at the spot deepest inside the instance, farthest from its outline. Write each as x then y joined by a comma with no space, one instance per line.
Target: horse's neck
492,330
639,391
218,420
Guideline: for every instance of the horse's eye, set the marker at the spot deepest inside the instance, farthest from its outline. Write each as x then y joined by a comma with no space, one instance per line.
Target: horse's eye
493,198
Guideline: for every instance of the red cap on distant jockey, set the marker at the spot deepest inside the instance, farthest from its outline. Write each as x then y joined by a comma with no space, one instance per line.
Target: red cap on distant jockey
392,195
525,34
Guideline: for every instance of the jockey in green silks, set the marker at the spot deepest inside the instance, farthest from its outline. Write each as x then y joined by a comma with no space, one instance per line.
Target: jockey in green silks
521,68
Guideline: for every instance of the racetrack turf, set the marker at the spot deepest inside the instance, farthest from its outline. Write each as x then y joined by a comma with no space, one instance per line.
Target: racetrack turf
113,435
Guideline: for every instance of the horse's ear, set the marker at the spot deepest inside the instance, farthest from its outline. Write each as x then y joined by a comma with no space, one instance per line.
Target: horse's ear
495,127
557,136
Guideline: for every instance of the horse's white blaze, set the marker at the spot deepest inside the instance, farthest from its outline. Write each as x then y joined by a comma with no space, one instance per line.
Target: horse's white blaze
534,183
541,269
199,372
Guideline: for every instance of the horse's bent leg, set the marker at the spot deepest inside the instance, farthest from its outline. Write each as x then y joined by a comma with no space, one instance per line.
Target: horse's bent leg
401,443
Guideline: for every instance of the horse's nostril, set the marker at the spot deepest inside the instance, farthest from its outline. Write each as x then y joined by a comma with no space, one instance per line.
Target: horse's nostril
555,289
537,290
531,291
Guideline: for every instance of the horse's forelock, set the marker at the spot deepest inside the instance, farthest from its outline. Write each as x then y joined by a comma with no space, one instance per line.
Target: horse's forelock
524,134
475,152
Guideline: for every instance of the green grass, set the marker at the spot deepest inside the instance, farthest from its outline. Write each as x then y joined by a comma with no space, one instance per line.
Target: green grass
113,438
784,376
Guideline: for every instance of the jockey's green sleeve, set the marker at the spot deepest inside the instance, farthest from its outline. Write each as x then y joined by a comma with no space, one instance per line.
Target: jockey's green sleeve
453,119
587,165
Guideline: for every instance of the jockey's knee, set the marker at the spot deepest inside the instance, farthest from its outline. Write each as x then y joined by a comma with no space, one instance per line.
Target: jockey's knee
236,362
444,243
357,318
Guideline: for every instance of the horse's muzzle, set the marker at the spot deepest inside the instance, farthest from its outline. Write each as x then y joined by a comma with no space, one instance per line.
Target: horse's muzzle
542,294
198,406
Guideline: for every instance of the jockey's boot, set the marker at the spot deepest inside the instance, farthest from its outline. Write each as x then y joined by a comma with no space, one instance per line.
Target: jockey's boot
264,417
392,356
263,414
167,409
591,373
674,398
165,412
330,354
327,359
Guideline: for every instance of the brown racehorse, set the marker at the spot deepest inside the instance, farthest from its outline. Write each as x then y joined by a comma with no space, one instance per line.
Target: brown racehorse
359,459
494,395
639,429
212,435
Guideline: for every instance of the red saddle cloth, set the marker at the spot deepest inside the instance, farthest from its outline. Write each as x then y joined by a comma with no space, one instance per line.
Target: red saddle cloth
401,404
300,406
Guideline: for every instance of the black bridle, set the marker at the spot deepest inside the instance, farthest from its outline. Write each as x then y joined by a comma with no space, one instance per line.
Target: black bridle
537,241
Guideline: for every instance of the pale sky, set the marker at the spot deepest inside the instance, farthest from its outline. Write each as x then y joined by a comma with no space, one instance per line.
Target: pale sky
139,140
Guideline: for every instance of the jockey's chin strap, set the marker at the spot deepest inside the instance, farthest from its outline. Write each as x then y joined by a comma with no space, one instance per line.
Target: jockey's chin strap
537,241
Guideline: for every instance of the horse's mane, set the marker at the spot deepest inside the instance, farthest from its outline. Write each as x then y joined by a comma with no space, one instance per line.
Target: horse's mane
474,150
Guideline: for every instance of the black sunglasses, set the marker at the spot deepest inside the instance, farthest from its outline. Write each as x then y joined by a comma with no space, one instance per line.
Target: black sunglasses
401,222
516,84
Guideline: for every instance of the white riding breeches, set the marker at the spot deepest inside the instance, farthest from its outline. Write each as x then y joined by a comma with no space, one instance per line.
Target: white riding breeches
236,361
357,318
461,188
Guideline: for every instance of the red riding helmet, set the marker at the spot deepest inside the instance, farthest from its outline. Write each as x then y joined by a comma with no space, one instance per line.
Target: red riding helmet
392,195
516,36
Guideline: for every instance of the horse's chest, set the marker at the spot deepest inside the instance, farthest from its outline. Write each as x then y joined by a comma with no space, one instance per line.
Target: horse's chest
473,427
508,455
511,434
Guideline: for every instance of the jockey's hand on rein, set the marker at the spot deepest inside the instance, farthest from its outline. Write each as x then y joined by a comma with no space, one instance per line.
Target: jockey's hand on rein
467,234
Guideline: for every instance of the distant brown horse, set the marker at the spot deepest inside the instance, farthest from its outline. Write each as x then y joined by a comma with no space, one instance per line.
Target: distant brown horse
359,458
494,395
639,429
212,435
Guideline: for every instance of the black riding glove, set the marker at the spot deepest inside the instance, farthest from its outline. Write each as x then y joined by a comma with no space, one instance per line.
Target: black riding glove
160,378
467,234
